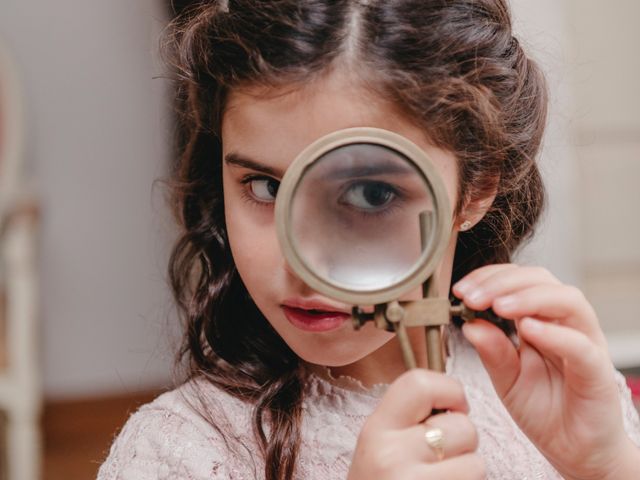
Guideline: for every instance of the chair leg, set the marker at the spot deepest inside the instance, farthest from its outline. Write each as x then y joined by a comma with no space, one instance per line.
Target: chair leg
24,448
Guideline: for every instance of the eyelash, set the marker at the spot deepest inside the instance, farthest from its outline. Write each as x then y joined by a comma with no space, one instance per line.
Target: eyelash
252,200
399,194
246,190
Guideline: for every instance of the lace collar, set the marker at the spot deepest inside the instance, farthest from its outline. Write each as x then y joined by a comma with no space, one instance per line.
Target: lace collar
344,382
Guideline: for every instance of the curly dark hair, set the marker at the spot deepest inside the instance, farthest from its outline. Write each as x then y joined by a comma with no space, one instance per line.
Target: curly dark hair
453,67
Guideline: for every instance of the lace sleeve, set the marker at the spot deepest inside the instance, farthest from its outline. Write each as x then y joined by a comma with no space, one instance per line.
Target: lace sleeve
157,444
629,412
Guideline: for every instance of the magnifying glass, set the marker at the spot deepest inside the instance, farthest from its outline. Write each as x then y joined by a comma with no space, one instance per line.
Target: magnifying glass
363,217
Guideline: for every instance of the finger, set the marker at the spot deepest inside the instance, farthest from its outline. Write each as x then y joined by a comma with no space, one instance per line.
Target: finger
469,466
458,434
411,398
582,358
504,282
564,303
499,357
536,364
477,276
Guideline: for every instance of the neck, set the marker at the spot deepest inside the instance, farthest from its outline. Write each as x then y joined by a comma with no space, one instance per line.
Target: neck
385,364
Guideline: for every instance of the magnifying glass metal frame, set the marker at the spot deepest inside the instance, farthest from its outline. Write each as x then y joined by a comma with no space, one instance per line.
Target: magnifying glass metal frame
432,312
437,235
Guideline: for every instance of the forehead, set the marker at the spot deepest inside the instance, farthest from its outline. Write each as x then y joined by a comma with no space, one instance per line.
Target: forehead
292,117
274,126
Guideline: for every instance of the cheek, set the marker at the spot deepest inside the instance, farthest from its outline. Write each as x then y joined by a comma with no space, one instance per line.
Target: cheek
252,237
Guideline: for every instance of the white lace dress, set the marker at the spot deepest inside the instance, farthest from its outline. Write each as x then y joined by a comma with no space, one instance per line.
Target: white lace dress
167,439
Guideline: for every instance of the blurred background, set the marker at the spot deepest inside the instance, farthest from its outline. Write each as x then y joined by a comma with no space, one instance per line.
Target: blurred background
87,327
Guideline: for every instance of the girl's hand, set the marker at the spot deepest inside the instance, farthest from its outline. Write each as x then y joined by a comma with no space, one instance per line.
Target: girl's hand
392,442
559,385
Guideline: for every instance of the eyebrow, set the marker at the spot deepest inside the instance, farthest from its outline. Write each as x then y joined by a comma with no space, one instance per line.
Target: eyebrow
239,160
390,168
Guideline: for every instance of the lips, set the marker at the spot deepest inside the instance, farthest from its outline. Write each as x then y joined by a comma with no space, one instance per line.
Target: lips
314,316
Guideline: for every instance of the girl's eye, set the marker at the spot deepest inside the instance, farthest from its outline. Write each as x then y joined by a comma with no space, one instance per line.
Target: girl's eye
263,189
369,195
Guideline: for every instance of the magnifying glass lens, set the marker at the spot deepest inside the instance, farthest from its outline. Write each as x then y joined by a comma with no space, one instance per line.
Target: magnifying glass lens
355,216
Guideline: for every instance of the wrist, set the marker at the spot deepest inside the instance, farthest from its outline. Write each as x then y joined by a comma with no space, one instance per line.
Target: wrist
628,464
624,465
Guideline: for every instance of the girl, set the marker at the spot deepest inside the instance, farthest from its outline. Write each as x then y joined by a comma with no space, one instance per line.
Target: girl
275,390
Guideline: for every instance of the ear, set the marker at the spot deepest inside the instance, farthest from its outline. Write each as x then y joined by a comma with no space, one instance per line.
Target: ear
473,211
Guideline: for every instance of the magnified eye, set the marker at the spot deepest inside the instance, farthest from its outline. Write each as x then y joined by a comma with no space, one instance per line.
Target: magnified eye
264,189
369,195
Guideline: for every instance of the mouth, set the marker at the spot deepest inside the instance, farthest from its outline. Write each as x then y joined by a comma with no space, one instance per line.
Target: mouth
317,319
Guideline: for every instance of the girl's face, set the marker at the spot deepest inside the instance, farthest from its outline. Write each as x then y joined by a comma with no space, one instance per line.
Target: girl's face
262,135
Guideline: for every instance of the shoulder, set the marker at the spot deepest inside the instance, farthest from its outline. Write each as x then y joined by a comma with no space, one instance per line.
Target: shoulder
189,433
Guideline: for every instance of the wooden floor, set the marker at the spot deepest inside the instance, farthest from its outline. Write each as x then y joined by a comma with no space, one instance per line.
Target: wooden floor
78,434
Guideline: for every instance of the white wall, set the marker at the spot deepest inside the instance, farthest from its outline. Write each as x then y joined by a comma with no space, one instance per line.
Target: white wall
607,75
96,140
556,245
592,155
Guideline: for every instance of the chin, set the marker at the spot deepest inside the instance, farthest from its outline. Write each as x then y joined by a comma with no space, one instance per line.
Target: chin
327,360
340,353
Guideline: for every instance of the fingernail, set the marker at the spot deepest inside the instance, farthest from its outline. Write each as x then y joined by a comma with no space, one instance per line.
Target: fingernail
462,286
506,303
475,296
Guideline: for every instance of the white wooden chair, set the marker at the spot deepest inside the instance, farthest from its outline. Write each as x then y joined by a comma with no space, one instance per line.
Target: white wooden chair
20,391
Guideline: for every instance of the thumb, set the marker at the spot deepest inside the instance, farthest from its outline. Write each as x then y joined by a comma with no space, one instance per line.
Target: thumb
499,356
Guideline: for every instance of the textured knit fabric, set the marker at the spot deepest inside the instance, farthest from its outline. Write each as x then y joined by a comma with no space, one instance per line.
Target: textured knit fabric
169,439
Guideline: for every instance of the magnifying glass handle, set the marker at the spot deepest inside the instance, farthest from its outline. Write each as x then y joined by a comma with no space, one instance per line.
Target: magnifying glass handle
435,357
467,314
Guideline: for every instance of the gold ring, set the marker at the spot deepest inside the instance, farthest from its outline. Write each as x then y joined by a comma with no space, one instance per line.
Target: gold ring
434,437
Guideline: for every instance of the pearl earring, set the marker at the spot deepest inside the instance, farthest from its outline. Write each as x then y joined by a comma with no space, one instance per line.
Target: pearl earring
466,225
